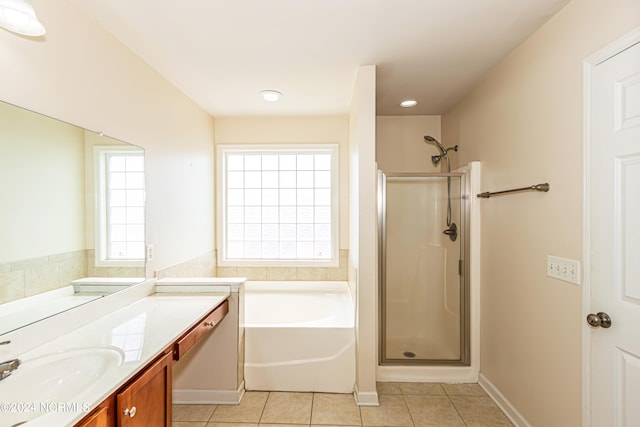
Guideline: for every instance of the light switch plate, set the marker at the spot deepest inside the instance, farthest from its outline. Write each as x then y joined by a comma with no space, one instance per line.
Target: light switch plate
564,269
150,253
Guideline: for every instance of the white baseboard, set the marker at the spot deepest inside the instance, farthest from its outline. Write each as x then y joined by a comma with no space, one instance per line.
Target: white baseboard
366,398
510,411
208,397
427,374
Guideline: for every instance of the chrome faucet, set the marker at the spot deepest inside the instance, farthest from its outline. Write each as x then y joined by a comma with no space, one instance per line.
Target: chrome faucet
6,368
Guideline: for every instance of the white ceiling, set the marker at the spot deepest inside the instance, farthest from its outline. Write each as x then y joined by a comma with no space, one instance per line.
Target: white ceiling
221,53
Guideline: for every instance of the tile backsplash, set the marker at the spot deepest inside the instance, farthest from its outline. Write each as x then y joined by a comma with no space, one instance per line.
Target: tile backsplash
290,273
24,278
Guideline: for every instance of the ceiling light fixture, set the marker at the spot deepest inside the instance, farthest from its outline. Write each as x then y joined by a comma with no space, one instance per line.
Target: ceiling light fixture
18,16
408,103
271,95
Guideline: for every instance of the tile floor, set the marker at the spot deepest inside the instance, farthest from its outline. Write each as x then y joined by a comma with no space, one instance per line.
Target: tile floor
401,405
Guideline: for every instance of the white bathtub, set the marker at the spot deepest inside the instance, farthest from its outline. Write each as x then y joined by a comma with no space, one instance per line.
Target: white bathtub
299,336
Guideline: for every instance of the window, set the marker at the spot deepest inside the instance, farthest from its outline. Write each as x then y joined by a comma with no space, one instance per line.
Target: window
120,225
278,205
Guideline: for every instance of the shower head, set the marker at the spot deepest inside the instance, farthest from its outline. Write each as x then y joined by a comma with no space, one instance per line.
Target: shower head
443,151
429,138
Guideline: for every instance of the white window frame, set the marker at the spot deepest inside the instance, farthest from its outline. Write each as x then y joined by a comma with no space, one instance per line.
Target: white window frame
101,218
222,151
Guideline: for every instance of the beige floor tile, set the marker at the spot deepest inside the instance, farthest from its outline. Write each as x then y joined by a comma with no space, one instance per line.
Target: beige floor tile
463,390
248,411
230,425
189,424
388,388
392,412
479,411
430,389
287,408
192,412
432,411
283,425
338,409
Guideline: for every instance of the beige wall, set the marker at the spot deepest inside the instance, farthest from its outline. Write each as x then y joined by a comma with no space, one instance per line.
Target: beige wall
42,185
363,277
400,145
80,74
524,123
295,130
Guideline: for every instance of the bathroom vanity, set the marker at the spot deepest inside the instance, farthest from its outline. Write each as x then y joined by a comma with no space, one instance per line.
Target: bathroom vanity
114,369
146,399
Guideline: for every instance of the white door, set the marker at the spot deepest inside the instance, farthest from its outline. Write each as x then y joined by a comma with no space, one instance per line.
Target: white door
614,243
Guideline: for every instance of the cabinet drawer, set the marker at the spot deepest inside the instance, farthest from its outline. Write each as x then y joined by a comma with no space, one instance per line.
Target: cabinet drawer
195,334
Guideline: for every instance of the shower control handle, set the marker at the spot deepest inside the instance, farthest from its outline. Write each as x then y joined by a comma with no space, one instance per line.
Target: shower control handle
600,319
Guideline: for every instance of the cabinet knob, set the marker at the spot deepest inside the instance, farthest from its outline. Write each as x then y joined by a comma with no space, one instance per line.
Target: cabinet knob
130,412
209,324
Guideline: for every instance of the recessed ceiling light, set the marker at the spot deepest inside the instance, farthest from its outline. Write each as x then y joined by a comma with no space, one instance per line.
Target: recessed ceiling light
271,95
408,103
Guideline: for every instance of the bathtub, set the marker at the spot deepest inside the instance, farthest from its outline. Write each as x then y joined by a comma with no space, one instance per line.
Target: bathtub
299,336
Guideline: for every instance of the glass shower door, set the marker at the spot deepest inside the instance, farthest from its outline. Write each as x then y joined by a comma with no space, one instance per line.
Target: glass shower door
423,294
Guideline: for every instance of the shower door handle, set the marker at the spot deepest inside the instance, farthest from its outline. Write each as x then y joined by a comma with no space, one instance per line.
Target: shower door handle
600,319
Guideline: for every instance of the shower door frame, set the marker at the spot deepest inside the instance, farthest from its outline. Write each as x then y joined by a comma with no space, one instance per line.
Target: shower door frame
465,295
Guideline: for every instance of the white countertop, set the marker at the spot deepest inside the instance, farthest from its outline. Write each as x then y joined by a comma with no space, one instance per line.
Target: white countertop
139,332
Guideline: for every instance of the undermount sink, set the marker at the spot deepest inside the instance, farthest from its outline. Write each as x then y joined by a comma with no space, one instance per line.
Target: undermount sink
61,378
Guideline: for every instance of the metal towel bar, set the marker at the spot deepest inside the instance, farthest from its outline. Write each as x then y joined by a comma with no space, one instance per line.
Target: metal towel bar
539,187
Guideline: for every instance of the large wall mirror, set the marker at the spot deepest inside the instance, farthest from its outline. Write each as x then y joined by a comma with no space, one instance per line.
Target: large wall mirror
72,222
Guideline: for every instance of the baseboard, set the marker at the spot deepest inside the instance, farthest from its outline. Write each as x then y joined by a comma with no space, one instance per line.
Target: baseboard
366,398
510,411
208,397
427,374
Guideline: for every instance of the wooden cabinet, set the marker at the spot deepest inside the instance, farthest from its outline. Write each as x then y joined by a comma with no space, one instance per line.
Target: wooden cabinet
195,334
146,401
102,416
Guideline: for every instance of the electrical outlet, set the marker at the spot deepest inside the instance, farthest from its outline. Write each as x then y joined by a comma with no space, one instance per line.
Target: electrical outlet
149,252
564,269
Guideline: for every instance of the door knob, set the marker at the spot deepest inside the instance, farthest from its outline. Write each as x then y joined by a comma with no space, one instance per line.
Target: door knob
600,319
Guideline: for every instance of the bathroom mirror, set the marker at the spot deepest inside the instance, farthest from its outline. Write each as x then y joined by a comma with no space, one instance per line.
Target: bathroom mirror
72,216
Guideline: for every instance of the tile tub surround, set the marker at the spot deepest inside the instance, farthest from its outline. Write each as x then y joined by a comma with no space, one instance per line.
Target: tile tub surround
20,279
150,324
24,278
200,266
401,405
339,273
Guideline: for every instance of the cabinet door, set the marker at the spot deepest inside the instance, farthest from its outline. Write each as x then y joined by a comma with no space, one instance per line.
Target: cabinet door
102,416
147,400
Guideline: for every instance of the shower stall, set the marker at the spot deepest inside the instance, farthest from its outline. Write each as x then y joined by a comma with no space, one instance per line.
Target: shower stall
424,264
